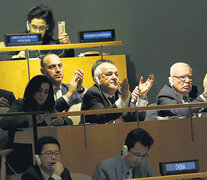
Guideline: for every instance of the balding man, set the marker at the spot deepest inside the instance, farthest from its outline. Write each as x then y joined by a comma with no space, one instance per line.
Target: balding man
108,92
180,90
65,94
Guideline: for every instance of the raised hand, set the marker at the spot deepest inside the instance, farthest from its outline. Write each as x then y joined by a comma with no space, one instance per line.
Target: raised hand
79,73
205,83
135,94
125,93
64,39
4,102
144,87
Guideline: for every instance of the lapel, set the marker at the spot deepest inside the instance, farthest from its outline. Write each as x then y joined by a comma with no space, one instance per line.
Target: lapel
64,88
118,167
105,100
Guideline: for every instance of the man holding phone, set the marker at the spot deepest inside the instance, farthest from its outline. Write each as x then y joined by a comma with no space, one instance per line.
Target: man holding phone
109,92
48,162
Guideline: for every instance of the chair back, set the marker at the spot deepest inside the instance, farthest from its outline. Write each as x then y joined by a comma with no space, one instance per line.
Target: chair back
75,119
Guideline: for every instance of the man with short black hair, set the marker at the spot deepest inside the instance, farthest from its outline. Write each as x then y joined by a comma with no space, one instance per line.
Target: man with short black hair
130,162
49,166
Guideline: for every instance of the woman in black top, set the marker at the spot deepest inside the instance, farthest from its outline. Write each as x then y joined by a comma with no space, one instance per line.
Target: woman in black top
38,96
40,20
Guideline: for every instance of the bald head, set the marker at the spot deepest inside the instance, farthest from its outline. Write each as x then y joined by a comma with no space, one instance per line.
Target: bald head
51,67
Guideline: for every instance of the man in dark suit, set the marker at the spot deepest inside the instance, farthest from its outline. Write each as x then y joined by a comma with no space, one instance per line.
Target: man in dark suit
106,94
130,162
48,161
180,90
65,94
6,98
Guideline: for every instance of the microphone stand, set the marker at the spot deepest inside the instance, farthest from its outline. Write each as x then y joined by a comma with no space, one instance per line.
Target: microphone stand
8,165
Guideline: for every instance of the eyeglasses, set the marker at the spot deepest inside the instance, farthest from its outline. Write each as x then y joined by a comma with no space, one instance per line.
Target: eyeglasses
41,28
50,154
183,78
139,155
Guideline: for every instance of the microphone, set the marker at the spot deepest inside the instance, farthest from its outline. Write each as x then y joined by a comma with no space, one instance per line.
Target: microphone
8,165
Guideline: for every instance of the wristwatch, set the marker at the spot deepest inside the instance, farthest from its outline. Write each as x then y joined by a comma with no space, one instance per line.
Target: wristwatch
82,90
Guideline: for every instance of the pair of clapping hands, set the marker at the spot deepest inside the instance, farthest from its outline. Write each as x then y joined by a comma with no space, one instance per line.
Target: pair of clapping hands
140,90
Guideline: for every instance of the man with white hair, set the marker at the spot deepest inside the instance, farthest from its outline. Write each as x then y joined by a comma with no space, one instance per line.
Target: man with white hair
108,92
180,90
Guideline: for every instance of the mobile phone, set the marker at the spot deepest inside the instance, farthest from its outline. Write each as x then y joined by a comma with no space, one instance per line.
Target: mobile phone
61,28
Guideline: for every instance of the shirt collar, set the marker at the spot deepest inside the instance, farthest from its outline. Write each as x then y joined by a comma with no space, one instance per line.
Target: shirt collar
108,95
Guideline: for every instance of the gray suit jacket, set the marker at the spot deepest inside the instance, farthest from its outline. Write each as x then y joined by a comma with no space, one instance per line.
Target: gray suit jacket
112,169
167,95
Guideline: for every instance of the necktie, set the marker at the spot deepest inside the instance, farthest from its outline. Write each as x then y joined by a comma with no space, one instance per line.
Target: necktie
58,93
112,99
185,99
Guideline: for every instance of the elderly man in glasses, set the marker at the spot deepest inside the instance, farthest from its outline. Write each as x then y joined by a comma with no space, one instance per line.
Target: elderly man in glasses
48,162
180,90
130,162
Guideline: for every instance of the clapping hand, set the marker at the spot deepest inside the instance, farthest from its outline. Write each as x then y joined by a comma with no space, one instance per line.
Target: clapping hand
144,87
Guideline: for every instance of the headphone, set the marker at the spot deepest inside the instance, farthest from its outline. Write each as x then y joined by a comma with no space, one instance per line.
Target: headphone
27,26
37,159
96,79
124,151
170,81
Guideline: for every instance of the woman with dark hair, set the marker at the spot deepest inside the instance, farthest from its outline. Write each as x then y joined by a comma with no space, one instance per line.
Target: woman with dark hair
38,96
40,20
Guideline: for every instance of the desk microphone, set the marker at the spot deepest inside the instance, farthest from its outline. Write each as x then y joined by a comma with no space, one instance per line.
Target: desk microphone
8,165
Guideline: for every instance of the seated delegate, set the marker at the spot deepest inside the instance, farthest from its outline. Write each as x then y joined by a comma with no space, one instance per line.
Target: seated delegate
38,96
108,92
180,90
48,162
130,162
40,20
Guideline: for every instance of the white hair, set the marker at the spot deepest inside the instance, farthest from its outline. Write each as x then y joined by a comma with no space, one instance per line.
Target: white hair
174,66
98,72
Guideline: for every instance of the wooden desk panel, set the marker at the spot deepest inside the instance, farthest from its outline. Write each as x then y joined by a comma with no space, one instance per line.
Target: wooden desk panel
14,74
172,142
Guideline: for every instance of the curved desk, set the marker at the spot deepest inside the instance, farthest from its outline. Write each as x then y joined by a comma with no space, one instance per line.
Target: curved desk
172,142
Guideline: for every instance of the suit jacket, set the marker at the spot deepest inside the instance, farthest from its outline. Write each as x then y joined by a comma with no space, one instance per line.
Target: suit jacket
34,173
94,99
8,95
112,169
167,95
61,104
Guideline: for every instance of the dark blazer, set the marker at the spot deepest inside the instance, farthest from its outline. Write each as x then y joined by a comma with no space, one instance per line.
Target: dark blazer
8,95
112,169
61,104
94,99
34,173
167,95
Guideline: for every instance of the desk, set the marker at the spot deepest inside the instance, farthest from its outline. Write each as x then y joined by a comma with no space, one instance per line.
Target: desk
172,142
15,72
